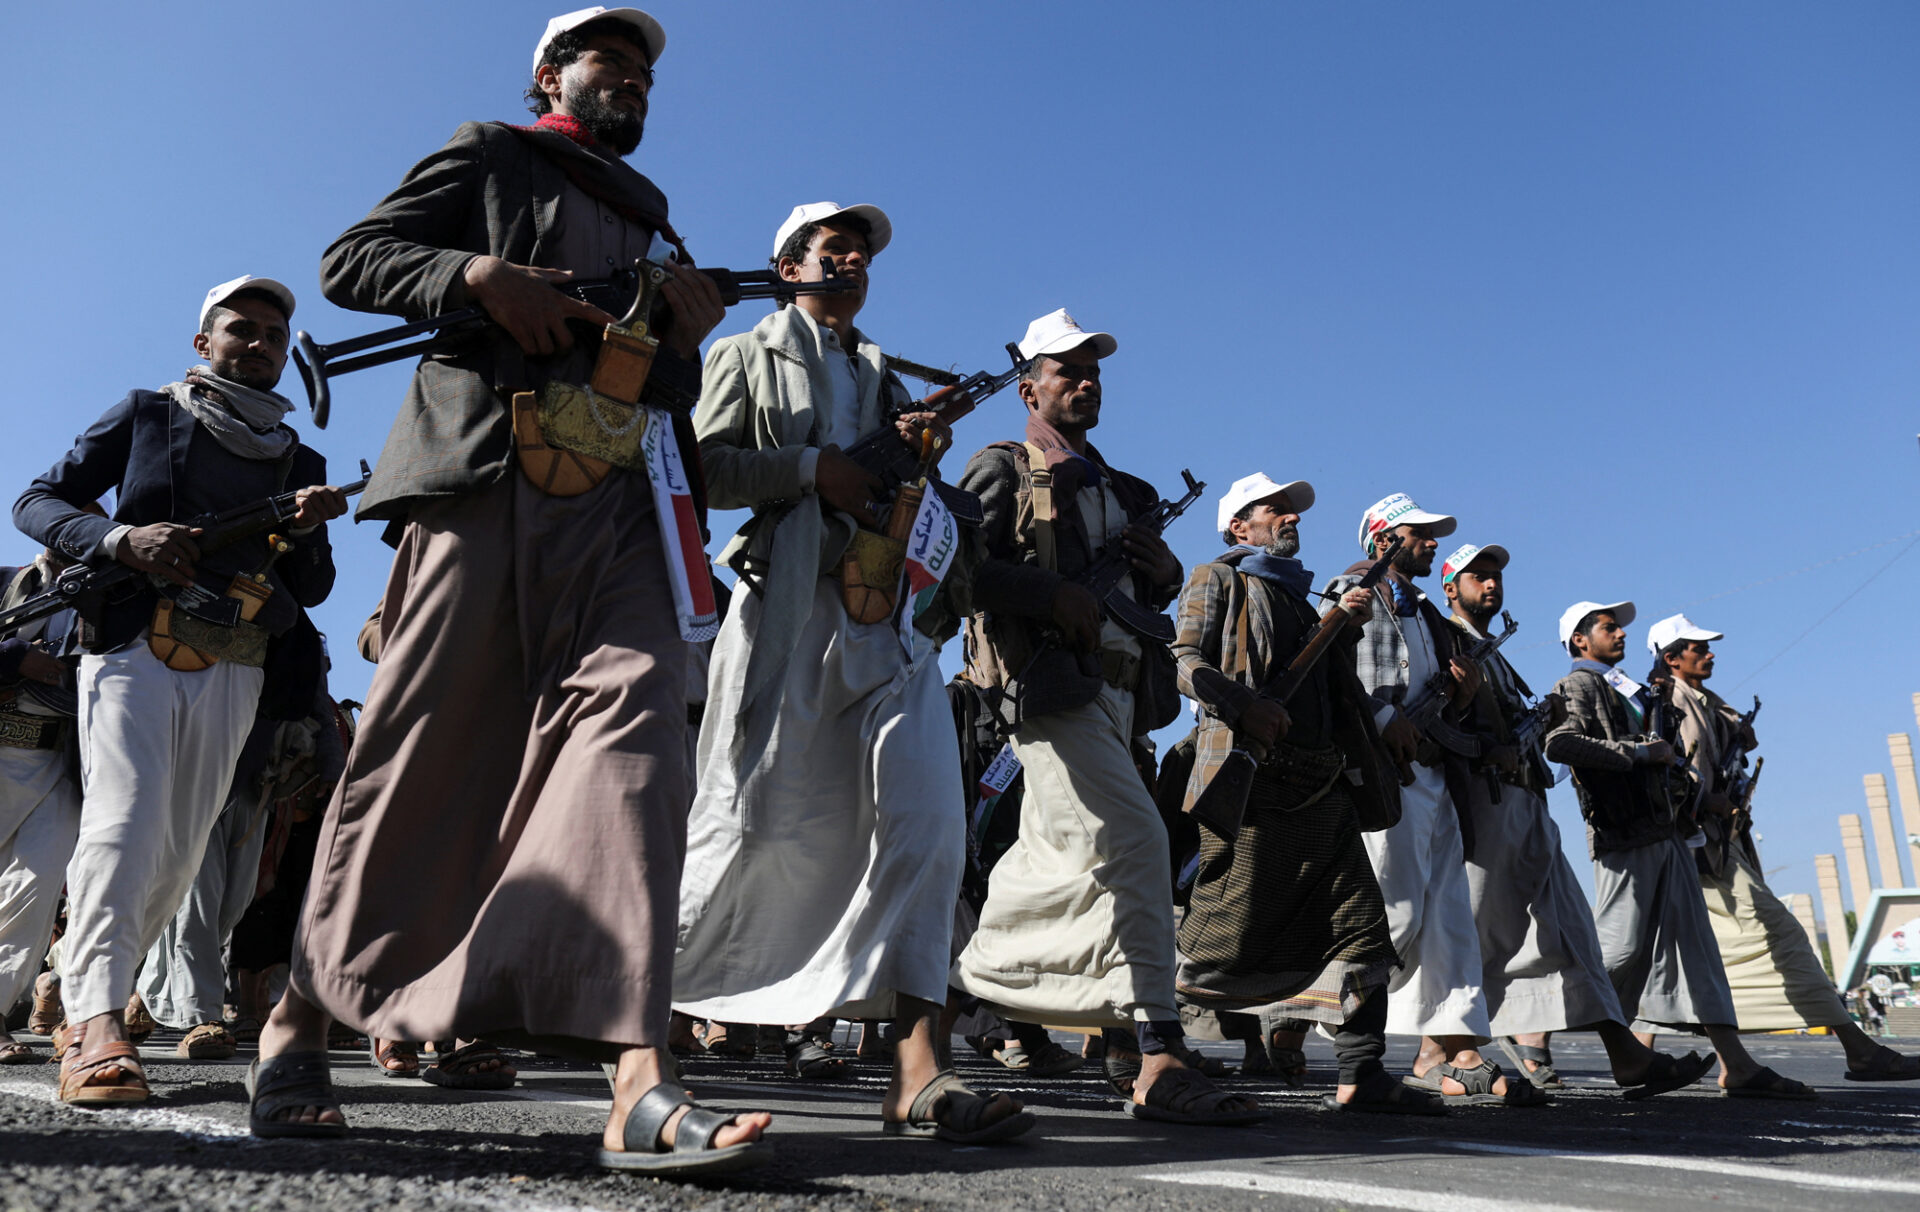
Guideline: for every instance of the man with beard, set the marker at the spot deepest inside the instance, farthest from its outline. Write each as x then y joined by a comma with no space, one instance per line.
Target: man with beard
502,856
1285,924
1077,929
1406,648
1541,962
170,681
39,794
1777,980
1654,934
827,839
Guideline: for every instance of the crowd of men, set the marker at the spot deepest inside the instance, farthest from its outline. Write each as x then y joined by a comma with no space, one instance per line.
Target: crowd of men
589,806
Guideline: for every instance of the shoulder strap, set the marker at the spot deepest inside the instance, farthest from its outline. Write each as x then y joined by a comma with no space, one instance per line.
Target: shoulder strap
1242,658
1043,513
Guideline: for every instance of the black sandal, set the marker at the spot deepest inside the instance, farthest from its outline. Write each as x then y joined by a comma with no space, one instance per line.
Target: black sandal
1666,1073
808,1061
292,1079
948,1109
1381,1095
692,1151
1546,1077
1122,1068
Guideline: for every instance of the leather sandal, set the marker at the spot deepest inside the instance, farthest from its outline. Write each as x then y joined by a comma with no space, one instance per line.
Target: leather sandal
47,1011
948,1109
459,1069
807,1060
83,1072
140,1024
692,1151
290,1080
1186,1096
208,1041
381,1051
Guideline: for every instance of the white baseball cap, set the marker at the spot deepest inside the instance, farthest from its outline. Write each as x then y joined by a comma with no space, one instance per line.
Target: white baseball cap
1674,628
1622,613
1257,487
1057,332
653,39
226,290
1400,510
1457,562
879,228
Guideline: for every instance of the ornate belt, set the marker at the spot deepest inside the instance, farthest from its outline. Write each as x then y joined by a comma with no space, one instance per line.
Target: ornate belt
19,730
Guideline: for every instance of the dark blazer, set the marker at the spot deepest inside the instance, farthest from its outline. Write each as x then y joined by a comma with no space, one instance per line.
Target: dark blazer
1013,594
137,451
489,191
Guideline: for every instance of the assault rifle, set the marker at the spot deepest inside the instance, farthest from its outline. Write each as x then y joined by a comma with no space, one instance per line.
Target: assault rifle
1530,732
77,582
1732,777
1222,805
320,363
1426,710
1675,784
885,455
1102,577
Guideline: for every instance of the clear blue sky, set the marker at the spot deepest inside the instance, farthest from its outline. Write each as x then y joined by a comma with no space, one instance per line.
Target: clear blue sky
1631,289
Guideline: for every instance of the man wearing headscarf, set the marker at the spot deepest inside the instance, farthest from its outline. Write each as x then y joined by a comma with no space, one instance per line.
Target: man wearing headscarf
1077,928
173,672
1285,925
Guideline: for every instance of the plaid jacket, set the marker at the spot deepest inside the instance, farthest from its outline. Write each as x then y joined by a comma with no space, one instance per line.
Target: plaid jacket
1207,649
1381,659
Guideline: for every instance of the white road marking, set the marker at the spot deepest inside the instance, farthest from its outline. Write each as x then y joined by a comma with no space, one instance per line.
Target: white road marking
1701,1165
198,1127
1348,1193
587,1101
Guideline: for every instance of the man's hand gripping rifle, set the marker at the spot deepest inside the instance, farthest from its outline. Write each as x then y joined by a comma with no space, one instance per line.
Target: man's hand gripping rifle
1102,577
78,583
898,457
1224,803
1427,711
633,332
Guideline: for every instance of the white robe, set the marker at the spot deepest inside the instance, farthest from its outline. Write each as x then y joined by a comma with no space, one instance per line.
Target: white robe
1422,870
823,880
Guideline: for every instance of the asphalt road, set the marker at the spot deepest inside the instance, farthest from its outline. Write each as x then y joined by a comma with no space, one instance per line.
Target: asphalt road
415,1146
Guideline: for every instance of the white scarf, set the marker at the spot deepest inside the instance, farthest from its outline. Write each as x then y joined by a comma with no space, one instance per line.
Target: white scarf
246,421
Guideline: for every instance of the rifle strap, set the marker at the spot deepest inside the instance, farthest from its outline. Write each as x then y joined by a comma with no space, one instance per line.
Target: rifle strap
1043,511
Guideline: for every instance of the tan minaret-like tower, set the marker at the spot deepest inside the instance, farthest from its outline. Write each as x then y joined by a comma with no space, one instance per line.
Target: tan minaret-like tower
1900,746
1802,906
1880,810
1839,940
1854,842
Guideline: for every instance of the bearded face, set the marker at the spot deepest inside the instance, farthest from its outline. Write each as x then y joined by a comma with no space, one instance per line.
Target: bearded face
1283,540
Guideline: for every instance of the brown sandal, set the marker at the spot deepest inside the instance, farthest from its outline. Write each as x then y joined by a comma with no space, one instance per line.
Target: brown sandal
47,1011
140,1024
80,1069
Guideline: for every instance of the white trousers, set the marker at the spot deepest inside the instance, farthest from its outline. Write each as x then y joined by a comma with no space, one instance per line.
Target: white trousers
157,750
185,978
1423,878
39,819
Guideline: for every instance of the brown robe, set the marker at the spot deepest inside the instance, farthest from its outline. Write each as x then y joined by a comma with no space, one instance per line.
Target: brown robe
503,856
